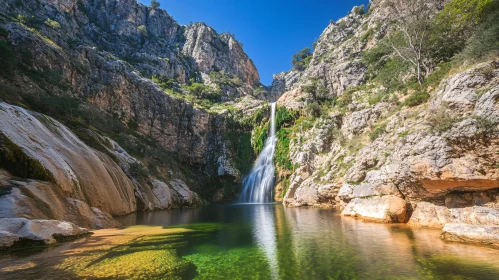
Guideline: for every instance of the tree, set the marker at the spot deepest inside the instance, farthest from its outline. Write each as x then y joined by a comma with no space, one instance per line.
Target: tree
409,37
302,59
457,23
142,29
155,4
318,92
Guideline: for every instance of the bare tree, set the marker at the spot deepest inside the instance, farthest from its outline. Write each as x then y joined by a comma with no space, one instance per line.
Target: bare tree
409,35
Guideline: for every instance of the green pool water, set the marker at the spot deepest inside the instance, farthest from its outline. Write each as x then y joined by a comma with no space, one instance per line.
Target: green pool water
272,242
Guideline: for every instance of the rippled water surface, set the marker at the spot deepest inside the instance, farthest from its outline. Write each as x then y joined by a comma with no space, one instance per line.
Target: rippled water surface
273,242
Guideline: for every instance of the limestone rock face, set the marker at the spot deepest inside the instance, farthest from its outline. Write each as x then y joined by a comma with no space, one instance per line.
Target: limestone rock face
382,209
148,38
45,231
85,186
430,165
471,233
80,172
104,54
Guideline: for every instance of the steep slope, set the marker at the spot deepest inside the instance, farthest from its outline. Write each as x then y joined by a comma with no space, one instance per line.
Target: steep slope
74,182
147,103
426,155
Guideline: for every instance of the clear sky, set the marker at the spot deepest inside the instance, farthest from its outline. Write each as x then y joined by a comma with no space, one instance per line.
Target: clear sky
271,31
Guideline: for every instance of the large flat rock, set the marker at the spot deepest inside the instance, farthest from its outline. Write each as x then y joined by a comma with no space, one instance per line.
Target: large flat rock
388,209
13,230
471,233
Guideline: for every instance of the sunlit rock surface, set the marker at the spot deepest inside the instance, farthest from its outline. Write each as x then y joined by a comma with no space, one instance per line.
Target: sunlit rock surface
17,230
471,233
85,186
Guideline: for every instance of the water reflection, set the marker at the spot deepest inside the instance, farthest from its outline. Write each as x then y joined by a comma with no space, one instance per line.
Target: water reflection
272,242
305,243
265,235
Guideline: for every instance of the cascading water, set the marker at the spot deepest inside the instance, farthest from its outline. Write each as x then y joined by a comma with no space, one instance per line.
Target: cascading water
258,185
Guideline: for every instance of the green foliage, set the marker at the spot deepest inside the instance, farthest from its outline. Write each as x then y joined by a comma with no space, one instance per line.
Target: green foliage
8,62
375,58
484,124
367,36
132,124
138,170
4,32
434,79
142,29
391,73
360,10
155,4
52,24
259,136
259,91
403,134
203,91
485,40
318,92
282,149
377,132
417,98
164,82
454,26
285,116
225,79
440,121
301,60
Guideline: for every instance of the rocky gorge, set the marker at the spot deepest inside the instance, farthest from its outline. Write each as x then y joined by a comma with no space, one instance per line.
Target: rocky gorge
112,107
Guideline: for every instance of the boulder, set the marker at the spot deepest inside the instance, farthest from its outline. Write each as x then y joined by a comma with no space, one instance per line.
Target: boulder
471,233
388,209
13,230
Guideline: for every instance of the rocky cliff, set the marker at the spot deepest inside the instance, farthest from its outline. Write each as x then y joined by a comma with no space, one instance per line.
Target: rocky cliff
135,110
424,155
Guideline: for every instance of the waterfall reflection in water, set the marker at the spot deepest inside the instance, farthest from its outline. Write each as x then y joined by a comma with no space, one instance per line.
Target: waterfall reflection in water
272,242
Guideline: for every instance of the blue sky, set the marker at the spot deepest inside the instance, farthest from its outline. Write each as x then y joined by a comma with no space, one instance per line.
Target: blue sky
271,31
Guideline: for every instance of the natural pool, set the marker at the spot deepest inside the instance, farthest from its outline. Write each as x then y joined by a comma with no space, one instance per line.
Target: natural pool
255,242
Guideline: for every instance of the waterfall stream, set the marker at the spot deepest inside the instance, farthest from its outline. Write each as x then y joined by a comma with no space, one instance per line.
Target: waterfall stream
258,185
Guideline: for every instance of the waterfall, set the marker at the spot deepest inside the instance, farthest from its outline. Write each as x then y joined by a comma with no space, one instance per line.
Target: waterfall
259,184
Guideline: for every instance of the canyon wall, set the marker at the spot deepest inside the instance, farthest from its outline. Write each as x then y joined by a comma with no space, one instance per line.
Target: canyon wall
369,154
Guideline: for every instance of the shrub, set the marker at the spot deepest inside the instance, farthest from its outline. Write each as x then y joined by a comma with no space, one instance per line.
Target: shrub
390,74
284,115
52,24
138,169
203,91
359,10
164,82
318,91
301,60
4,32
142,29
485,41
368,35
377,132
441,121
403,134
417,98
485,124
438,75
455,25
155,4
224,78
7,60
282,149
